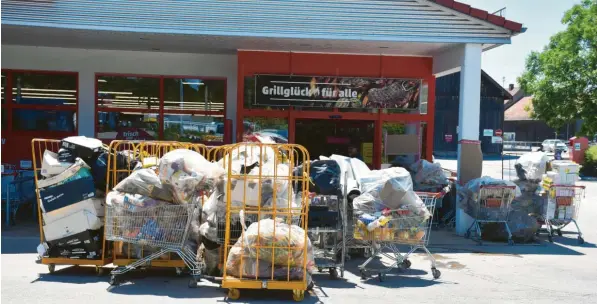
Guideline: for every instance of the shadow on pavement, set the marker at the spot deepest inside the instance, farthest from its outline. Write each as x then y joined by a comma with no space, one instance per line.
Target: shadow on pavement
72,275
17,245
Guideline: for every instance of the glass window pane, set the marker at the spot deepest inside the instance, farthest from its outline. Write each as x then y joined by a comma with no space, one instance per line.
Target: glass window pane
274,128
43,120
127,126
35,88
194,128
128,92
194,94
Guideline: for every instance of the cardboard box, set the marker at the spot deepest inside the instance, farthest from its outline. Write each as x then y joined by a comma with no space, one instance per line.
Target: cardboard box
551,208
83,245
63,195
72,224
471,164
404,144
95,206
77,170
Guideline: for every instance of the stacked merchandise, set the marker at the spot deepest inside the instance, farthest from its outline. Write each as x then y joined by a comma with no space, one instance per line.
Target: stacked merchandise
388,199
564,173
71,199
140,201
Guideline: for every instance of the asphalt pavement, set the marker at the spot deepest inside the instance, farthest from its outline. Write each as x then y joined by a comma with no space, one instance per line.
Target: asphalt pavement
562,272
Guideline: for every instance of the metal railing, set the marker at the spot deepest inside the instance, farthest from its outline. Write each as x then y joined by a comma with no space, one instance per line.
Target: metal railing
521,145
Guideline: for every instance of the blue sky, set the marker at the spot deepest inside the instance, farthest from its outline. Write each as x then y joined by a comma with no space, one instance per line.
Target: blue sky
542,18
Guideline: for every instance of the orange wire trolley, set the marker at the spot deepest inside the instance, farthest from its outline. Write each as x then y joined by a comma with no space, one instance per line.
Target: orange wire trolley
38,146
148,153
266,244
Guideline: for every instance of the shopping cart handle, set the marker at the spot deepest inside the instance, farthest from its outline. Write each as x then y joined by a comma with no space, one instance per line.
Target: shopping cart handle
496,187
567,186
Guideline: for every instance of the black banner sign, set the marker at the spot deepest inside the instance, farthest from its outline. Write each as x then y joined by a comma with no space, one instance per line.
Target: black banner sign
336,92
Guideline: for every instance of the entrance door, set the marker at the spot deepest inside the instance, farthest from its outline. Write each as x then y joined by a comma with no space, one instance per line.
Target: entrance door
326,137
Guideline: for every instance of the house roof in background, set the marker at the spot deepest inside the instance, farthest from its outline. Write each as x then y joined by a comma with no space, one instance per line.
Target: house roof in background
517,110
514,91
481,14
507,94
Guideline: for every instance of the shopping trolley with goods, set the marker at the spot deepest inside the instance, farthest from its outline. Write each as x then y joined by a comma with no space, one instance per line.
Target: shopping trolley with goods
493,206
129,253
38,147
267,214
402,227
563,204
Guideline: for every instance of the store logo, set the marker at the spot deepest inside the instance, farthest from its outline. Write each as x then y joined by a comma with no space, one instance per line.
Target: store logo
130,134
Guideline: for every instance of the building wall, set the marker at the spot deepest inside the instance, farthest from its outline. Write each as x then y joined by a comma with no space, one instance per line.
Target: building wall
538,130
88,62
446,113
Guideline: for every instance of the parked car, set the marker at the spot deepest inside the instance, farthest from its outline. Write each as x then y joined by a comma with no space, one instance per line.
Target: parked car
551,145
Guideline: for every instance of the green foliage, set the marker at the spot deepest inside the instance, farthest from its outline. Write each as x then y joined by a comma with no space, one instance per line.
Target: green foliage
589,168
563,77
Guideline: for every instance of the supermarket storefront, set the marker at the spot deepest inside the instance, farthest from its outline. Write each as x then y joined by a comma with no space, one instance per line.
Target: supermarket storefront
326,74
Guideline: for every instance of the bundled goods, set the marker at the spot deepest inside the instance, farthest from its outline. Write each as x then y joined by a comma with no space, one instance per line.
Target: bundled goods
428,176
531,166
271,242
188,173
388,205
469,197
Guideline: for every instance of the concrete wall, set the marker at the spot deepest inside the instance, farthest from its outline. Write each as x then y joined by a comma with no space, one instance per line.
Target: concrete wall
88,62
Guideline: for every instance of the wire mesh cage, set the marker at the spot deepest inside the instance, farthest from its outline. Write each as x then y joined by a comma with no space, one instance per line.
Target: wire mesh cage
38,148
266,195
563,206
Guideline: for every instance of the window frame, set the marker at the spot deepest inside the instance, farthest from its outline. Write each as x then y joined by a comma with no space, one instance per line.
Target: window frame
161,111
9,106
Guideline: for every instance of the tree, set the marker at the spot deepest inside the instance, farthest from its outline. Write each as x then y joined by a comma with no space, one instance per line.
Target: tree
563,77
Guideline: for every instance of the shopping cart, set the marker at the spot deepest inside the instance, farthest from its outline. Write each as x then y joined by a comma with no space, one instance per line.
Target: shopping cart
563,203
493,207
165,227
403,228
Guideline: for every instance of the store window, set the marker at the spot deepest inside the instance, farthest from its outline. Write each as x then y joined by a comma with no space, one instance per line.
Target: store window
39,101
52,89
131,108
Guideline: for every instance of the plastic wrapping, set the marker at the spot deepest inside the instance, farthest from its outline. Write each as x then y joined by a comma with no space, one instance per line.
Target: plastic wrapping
131,202
469,195
531,165
188,172
247,190
51,166
325,177
289,244
147,183
428,175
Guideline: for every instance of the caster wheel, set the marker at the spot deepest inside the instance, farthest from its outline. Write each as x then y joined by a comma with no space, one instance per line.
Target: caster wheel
298,295
436,273
559,232
581,240
550,238
333,273
51,268
113,280
406,264
233,294
178,271
193,283
363,275
510,242
99,271
381,276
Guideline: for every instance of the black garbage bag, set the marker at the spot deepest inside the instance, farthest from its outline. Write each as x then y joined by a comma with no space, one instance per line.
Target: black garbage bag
325,177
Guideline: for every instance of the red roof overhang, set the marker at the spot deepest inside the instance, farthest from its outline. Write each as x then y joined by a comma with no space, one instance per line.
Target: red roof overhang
481,14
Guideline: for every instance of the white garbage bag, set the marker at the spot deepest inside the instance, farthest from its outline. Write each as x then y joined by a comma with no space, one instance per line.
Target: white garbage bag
531,165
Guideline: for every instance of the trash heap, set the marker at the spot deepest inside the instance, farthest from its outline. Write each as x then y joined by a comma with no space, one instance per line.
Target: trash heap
563,173
388,200
180,177
428,176
71,191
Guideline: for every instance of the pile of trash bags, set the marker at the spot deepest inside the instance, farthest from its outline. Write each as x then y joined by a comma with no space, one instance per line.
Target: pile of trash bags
252,256
180,177
388,208
428,176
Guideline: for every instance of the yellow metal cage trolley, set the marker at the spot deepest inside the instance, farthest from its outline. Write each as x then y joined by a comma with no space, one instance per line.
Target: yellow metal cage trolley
148,154
38,147
266,196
